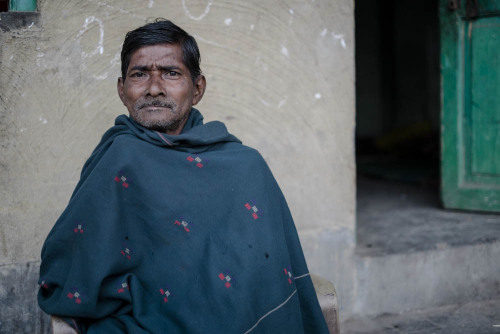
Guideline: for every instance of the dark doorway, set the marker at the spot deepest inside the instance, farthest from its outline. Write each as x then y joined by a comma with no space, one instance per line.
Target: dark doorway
4,5
397,90
397,108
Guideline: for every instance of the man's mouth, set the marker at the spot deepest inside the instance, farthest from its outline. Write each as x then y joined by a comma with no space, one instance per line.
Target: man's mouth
154,106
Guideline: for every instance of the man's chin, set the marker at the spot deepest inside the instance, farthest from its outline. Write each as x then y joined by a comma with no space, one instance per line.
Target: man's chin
158,125
151,117
163,120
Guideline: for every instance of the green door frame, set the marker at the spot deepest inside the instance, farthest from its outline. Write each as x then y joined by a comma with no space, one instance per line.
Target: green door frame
22,5
470,132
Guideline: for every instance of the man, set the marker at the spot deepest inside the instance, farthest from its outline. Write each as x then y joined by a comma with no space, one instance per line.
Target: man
175,226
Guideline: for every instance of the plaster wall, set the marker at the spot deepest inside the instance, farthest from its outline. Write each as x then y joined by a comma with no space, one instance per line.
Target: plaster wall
280,75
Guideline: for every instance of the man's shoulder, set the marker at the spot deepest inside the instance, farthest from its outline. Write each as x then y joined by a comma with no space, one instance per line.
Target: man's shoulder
124,139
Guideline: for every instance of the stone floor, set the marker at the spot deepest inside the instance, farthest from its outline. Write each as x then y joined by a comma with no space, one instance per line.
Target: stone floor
397,217
471,318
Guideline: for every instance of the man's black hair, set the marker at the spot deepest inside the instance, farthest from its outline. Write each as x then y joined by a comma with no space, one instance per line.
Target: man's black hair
162,31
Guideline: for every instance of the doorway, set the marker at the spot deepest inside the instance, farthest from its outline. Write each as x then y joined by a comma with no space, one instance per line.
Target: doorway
397,90
398,134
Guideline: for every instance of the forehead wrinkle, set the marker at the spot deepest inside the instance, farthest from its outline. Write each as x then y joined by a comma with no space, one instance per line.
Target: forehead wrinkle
157,57
162,63
145,52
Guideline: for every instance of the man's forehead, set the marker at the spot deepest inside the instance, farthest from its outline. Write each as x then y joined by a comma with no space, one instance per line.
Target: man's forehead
158,51
159,55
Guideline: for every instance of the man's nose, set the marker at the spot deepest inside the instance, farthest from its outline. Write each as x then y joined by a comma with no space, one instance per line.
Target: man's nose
156,87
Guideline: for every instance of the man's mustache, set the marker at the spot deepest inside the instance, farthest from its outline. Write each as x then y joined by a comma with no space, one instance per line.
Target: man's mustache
154,103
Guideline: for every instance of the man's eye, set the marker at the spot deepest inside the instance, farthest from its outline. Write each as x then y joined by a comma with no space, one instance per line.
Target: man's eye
137,74
171,73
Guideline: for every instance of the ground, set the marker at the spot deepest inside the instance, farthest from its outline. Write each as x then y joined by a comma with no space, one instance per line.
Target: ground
471,318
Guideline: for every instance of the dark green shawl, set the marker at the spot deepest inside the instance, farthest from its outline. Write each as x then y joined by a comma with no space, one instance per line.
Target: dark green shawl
177,234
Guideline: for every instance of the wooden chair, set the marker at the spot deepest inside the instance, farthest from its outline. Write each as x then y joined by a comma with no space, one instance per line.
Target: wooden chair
327,297
59,326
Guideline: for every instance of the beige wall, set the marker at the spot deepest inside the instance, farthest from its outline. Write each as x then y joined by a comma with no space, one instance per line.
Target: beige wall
280,75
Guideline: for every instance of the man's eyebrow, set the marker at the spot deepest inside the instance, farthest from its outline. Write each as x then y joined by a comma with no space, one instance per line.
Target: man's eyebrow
139,68
168,68
148,68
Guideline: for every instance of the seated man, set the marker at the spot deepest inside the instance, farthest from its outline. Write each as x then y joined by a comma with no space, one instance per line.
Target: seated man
175,226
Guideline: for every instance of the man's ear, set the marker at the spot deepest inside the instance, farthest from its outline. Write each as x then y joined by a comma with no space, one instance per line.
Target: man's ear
199,88
119,87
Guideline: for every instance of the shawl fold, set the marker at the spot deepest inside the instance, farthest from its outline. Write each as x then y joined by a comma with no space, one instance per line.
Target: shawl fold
177,234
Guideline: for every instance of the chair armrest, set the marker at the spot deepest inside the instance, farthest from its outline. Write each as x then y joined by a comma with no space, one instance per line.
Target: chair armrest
327,297
60,326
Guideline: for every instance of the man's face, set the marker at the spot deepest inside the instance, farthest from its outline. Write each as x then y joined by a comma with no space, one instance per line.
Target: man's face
158,91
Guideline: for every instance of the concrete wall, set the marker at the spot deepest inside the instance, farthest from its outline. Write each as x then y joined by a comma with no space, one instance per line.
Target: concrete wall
280,75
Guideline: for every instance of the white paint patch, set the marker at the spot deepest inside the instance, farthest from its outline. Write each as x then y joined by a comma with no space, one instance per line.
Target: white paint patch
31,25
264,102
284,51
119,10
222,46
317,96
252,27
116,59
281,103
186,11
11,57
340,37
101,77
228,21
323,33
43,120
291,11
151,3
99,48
290,20
22,129
39,57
